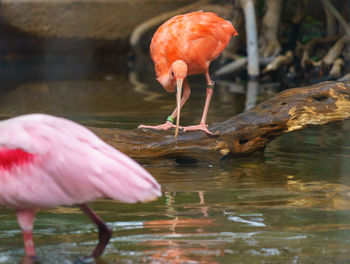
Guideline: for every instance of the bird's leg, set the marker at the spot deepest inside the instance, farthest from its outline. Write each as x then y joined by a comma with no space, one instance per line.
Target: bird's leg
202,125
104,232
170,120
25,220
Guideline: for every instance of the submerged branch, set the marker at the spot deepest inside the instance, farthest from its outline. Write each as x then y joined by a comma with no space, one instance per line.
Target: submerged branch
243,134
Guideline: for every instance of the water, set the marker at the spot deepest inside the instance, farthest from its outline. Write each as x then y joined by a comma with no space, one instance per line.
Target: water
291,205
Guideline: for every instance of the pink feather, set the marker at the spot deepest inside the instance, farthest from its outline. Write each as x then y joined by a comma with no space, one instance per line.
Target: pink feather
48,161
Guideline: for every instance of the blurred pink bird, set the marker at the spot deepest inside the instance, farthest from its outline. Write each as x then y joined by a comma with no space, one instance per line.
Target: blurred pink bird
47,161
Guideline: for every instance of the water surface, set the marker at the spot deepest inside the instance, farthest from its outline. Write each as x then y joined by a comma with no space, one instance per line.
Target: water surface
290,205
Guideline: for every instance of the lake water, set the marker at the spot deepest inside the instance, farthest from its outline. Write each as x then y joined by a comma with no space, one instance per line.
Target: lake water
290,205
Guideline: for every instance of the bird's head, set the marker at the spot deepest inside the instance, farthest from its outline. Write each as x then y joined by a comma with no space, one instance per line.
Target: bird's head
179,73
179,70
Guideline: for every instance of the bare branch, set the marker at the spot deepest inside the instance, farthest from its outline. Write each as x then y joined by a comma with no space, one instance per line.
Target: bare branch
336,68
338,16
243,134
305,49
252,37
279,61
335,51
331,22
269,44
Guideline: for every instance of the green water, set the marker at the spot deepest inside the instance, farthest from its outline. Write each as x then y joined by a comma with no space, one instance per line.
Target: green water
291,205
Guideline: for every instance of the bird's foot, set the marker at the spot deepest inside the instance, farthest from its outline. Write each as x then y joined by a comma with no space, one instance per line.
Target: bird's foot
201,126
167,125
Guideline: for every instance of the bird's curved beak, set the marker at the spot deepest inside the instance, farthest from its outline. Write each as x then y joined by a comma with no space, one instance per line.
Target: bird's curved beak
178,104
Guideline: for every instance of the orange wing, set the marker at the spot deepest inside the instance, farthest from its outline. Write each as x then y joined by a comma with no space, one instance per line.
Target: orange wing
196,38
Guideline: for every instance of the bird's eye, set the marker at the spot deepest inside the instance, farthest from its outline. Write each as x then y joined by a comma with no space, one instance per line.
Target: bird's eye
172,74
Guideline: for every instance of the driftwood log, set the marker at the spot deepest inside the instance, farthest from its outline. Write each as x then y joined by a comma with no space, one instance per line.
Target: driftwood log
241,135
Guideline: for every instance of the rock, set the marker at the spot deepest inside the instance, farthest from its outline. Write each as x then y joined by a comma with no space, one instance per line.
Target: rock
90,19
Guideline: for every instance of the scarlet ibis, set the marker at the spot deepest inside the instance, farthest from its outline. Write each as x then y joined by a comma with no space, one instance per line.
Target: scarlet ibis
185,45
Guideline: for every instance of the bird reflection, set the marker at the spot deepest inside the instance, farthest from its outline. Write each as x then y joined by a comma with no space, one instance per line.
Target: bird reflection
29,260
252,94
171,249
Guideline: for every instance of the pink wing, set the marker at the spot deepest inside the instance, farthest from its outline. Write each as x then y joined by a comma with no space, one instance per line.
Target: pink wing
68,165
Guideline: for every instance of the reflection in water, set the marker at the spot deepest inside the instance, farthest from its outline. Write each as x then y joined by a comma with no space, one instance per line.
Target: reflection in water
28,260
233,87
142,88
175,250
252,94
336,196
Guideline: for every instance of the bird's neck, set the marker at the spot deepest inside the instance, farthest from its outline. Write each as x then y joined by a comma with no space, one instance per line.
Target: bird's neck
167,82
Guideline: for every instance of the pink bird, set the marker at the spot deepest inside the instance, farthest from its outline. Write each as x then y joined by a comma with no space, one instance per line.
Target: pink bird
185,45
47,161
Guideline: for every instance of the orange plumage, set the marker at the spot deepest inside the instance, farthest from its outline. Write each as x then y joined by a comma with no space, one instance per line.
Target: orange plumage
194,39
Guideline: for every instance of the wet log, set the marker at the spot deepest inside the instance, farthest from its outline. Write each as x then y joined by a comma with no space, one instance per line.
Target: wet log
241,135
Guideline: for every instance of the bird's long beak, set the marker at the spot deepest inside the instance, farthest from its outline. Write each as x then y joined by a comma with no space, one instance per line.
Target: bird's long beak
178,104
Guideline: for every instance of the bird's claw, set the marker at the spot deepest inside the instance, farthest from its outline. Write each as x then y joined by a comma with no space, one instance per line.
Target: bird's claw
167,125
201,126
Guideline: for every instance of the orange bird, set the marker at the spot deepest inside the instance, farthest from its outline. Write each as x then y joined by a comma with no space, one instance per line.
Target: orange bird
185,45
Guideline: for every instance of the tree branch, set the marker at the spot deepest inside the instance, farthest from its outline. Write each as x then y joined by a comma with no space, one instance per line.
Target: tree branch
269,44
243,134
338,16
252,37
279,61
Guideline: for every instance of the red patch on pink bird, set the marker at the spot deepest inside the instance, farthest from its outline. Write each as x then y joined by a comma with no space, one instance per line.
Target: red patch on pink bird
13,157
